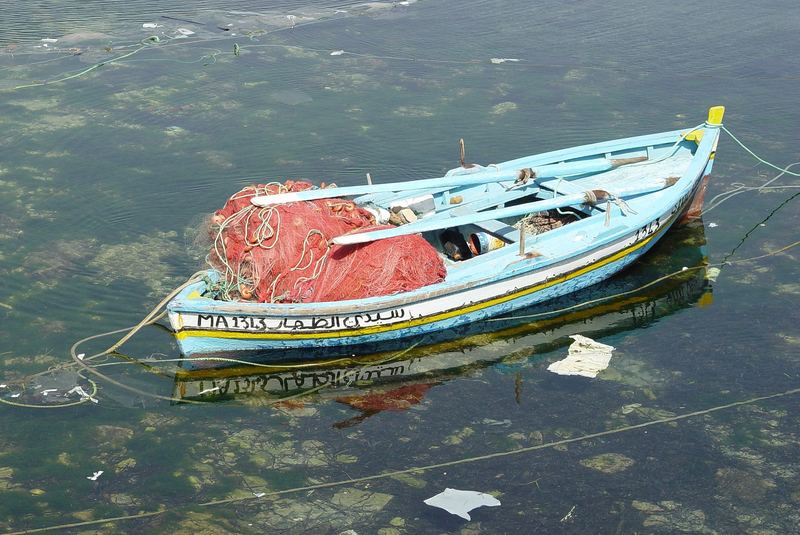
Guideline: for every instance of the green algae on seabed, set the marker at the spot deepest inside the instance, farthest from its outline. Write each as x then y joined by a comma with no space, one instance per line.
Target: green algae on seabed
608,463
144,260
672,516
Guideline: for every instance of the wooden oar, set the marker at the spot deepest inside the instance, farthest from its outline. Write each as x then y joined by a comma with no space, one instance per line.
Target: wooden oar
455,180
425,225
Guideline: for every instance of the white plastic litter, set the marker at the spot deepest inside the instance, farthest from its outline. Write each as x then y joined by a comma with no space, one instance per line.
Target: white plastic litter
150,25
81,355
184,31
337,52
49,40
15,395
3,385
259,494
586,358
95,475
712,225
498,61
712,273
49,390
461,502
82,393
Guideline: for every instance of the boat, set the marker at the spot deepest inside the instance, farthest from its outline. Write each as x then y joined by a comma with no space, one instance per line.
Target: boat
615,306
615,200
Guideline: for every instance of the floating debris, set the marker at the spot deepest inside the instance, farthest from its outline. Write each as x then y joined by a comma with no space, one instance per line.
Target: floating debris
586,358
461,502
49,40
337,52
185,32
95,475
712,225
82,393
498,61
712,273
150,25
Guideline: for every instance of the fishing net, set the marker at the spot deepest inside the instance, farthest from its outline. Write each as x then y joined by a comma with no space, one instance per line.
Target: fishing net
281,253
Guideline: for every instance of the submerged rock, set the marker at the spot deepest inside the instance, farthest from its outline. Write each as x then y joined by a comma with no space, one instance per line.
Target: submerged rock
113,435
743,485
672,516
364,500
608,463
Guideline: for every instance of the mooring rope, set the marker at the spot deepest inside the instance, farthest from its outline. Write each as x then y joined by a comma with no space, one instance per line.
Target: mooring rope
144,43
739,188
423,468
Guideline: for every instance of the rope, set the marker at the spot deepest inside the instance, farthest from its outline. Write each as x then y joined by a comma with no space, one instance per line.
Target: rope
425,468
132,330
134,390
151,39
756,156
83,399
265,232
739,188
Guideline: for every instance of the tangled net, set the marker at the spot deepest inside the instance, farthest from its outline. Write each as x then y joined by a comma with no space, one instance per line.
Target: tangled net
282,253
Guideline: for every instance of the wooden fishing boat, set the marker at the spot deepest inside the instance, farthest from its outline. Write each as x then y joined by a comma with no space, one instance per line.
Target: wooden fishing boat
614,307
616,199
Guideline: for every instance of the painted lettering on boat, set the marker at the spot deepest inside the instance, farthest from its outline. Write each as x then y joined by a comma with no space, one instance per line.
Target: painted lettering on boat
313,323
648,229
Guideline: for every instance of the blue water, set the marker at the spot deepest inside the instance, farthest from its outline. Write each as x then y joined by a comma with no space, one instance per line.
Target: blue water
106,175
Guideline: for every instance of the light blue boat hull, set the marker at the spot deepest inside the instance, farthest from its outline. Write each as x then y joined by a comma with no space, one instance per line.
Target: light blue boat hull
568,259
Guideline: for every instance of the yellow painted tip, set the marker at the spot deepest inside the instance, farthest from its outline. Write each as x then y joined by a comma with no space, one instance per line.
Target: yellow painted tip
715,114
194,295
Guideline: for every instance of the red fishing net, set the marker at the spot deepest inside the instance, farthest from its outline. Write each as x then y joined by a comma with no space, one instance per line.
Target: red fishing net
281,254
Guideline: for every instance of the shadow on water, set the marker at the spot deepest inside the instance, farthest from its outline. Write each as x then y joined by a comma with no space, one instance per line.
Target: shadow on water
399,377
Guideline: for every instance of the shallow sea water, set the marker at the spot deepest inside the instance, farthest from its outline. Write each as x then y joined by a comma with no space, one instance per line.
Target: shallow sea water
104,176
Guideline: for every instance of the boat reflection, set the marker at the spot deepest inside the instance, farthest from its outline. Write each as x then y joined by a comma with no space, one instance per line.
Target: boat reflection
396,378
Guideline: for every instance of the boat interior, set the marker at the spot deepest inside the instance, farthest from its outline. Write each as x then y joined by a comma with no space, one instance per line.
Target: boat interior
546,232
